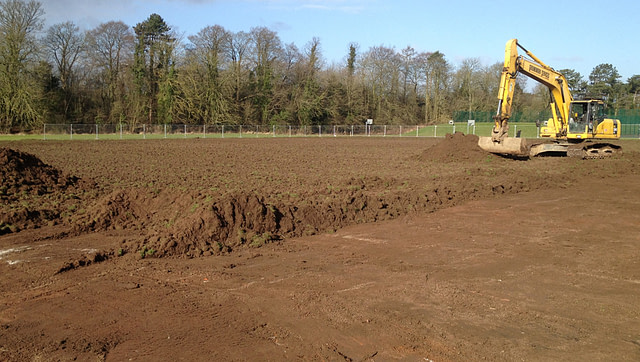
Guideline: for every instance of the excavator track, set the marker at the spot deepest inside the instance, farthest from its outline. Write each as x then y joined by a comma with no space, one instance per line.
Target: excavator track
586,149
593,150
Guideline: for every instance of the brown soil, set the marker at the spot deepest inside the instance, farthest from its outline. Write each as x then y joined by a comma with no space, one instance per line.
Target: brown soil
316,249
32,193
455,147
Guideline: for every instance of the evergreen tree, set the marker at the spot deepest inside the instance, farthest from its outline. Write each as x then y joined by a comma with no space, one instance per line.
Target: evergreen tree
152,66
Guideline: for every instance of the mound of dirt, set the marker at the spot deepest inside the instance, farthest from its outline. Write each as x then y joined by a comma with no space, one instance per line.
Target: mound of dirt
121,209
31,192
23,173
455,147
221,226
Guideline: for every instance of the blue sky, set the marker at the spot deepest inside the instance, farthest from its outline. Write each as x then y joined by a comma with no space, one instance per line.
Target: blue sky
565,34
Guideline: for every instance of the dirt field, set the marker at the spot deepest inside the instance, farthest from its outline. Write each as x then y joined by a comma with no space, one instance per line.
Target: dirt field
326,249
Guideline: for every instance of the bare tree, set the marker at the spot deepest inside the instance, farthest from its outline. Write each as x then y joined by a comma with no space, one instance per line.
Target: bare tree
238,48
202,82
308,95
291,64
209,45
380,67
408,55
19,23
468,82
437,73
110,48
266,48
63,44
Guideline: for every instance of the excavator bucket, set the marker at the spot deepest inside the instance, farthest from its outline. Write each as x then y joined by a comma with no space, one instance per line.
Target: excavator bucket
508,146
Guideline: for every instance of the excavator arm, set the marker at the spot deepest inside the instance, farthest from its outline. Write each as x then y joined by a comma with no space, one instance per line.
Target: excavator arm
505,92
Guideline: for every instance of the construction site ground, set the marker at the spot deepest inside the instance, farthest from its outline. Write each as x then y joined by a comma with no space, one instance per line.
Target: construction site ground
316,249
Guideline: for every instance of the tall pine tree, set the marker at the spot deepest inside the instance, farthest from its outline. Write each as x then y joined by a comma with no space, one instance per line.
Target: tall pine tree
153,67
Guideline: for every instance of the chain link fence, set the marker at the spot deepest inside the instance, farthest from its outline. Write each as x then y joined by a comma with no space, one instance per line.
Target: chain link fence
159,131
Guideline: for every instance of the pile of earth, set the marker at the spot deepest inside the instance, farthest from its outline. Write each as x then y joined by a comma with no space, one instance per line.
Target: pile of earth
456,147
23,173
193,225
31,192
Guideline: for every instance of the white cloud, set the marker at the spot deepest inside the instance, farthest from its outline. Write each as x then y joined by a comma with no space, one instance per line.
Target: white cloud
85,14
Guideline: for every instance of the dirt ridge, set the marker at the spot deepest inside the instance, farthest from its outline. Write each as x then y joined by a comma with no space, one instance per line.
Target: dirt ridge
250,220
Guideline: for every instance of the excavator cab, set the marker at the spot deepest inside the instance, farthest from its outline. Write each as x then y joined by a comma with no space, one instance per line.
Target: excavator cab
588,120
580,113
586,115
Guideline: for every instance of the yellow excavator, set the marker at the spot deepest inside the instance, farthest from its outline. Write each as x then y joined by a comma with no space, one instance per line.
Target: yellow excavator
577,128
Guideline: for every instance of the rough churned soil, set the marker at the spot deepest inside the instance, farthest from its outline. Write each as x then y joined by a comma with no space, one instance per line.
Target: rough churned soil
316,249
32,193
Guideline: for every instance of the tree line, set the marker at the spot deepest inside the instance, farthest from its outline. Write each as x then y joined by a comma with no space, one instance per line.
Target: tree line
150,74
